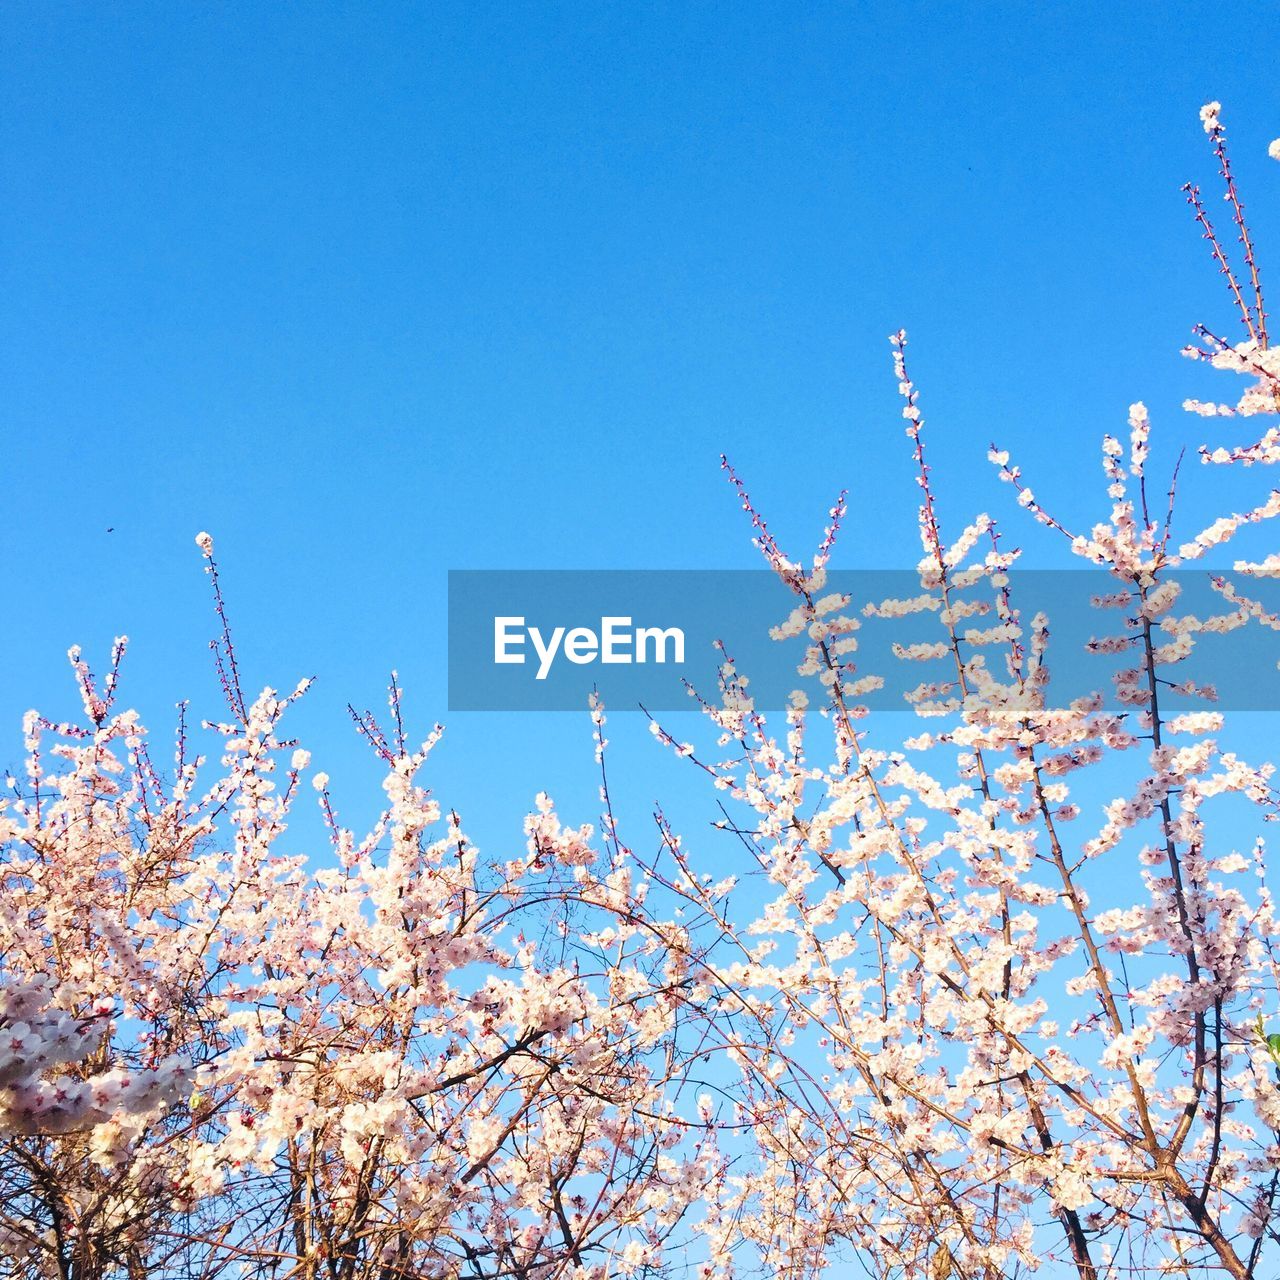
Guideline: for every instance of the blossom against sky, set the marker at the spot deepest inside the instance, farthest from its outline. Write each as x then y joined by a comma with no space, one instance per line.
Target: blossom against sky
383,292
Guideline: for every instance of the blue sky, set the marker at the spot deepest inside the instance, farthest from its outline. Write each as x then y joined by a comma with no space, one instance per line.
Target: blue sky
373,292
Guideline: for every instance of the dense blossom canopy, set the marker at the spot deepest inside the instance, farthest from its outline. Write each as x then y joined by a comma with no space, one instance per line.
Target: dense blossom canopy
950,1014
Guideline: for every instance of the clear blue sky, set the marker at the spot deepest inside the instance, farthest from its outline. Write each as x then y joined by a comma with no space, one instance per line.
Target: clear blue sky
370,292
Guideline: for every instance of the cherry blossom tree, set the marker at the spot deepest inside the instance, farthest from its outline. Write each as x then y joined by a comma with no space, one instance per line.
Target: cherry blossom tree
982,1024
222,1060
980,1030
